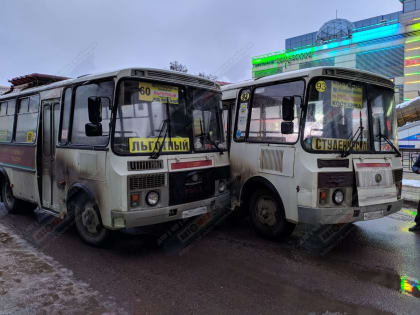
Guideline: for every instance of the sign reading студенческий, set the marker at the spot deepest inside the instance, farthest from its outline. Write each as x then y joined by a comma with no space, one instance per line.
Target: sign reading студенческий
327,144
149,145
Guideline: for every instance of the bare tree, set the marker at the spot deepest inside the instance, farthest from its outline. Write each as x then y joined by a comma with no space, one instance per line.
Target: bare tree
176,66
208,76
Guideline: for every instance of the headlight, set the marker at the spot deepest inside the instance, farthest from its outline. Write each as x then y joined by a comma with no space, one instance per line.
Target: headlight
222,186
338,197
152,198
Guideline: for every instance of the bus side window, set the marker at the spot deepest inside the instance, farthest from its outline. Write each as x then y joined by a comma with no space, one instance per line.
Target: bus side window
104,89
228,106
6,123
65,116
27,119
266,114
242,114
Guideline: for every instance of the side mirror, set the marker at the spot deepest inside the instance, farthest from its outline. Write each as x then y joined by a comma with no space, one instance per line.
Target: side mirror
95,109
287,127
93,130
288,108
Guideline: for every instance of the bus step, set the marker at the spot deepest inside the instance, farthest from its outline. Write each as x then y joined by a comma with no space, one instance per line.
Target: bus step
320,240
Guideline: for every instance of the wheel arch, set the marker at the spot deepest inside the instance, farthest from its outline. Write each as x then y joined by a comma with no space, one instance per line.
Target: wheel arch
77,189
3,178
254,183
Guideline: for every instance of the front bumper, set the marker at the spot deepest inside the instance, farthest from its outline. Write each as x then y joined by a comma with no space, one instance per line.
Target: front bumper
346,215
139,218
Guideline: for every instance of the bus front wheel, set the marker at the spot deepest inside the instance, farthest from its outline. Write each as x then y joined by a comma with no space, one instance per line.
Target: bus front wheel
89,223
268,217
9,201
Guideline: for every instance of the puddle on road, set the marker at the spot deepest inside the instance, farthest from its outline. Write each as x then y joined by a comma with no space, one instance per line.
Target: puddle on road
410,287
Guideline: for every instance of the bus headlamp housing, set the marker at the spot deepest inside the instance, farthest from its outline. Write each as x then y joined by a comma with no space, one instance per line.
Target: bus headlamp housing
152,198
338,197
222,186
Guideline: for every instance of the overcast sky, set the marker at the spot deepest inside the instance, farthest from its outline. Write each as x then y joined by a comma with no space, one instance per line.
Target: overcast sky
76,37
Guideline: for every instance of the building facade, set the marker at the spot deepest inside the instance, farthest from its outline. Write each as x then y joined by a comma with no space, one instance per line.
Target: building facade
387,44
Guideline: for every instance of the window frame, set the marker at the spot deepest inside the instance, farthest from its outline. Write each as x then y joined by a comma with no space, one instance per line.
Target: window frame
252,89
369,113
6,101
69,144
16,115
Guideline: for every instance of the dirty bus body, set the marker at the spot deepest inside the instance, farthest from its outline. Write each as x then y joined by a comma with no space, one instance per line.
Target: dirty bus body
131,148
313,146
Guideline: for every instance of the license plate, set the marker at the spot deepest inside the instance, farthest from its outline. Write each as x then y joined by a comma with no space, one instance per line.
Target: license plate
373,215
194,212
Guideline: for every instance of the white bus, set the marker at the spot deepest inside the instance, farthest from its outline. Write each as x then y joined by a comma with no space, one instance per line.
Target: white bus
315,146
129,148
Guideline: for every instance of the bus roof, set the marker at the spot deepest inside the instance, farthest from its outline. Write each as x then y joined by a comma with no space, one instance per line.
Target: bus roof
146,73
343,72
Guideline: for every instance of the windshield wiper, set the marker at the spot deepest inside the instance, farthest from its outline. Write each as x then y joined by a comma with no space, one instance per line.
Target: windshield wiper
209,139
156,153
166,123
387,140
358,134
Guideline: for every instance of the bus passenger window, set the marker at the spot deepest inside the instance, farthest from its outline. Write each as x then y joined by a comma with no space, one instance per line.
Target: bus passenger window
81,116
6,123
27,119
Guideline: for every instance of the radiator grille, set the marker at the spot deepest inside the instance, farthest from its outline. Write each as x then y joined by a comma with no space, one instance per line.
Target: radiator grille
271,160
145,165
146,181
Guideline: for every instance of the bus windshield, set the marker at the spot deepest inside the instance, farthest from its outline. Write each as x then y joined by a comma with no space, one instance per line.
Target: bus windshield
341,110
166,118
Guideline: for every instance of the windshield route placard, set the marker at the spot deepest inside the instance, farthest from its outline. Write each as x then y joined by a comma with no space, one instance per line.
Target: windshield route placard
346,95
152,92
149,145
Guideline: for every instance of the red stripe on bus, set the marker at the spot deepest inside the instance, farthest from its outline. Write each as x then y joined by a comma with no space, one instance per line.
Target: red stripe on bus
181,165
362,165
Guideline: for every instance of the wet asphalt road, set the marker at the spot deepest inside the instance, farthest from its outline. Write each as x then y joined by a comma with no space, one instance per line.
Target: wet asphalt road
233,271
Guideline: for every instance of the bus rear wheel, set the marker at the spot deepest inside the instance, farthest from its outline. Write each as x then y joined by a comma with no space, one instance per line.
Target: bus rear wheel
88,222
9,201
268,217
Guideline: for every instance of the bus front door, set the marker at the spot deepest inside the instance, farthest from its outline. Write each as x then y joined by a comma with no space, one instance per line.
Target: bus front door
51,118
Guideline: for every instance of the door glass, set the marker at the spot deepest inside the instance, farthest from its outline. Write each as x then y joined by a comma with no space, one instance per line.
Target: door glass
46,137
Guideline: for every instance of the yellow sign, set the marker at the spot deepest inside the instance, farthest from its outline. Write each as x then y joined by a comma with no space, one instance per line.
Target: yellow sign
30,136
150,92
346,95
245,96
149,145
320,86
326,144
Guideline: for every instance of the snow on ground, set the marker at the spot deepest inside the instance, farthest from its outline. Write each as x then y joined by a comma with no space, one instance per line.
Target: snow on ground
33,283
411,182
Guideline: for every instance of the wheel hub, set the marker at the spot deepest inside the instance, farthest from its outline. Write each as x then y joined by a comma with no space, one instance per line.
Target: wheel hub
90,220
266,211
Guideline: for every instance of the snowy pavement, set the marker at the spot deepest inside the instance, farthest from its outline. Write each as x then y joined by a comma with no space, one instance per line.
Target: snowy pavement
33,283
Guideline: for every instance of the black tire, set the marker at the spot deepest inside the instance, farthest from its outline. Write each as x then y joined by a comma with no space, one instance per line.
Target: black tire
267,215
10,202
89,223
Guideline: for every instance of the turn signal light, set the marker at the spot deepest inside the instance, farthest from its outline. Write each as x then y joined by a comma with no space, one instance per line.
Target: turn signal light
135,200
323,196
